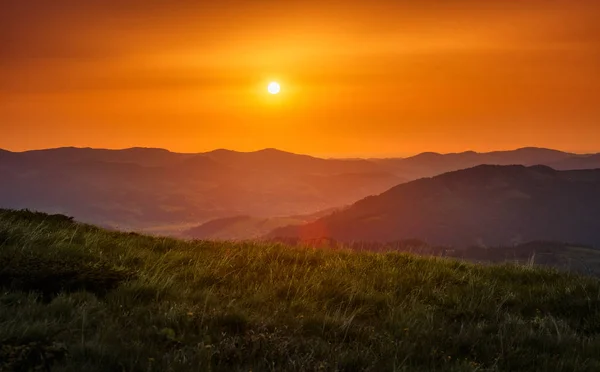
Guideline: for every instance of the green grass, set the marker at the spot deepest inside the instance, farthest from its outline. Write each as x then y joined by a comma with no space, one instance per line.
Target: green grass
79,298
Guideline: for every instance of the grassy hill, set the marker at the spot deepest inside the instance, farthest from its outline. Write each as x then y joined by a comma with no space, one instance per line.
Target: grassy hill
79,298
564,256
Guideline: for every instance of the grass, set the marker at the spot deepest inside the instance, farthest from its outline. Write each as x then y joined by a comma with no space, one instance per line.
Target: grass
78,298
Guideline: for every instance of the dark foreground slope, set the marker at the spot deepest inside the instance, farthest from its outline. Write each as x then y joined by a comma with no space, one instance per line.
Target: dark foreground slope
77,298
486,205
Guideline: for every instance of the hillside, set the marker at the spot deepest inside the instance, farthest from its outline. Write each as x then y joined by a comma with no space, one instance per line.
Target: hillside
484,206
78,298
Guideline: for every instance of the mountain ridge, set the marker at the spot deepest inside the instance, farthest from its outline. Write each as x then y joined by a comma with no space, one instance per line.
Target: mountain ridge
148,187
485,205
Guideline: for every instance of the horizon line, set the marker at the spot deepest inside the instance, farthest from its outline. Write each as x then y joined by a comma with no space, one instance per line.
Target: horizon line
296,153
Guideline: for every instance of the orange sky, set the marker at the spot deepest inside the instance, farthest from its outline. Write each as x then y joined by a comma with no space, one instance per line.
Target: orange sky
359,78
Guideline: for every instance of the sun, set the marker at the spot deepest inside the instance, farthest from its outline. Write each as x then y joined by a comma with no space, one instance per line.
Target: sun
273,87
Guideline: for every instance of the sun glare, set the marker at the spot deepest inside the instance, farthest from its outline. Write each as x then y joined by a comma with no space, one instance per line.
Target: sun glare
274,88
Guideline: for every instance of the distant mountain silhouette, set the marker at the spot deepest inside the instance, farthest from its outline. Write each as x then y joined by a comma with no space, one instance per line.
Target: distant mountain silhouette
430,163
269,159
141,188
577,162
485,205
136,155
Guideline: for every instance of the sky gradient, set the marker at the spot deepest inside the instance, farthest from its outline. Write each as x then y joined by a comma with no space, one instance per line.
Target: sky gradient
358,78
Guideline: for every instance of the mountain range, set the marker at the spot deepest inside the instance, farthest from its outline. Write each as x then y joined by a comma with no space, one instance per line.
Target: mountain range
165,192
153,188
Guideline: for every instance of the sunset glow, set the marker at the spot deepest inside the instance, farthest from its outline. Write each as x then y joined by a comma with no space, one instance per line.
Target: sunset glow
384,78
